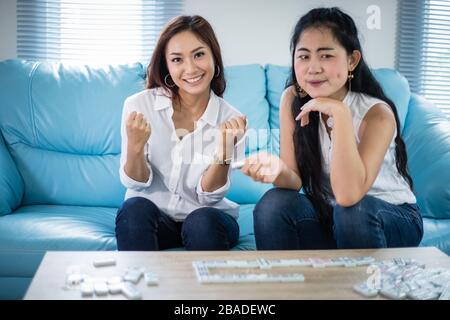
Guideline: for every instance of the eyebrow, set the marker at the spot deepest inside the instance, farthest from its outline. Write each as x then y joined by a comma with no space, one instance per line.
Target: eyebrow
179,54
319,49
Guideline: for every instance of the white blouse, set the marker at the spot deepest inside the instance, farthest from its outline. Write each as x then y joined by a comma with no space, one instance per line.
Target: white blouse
389,184
177,166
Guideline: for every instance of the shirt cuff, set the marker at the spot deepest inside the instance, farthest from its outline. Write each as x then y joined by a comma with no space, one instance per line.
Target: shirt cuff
130,183
208,198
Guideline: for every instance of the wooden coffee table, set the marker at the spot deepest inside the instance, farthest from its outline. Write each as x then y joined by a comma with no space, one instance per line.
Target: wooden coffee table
177,279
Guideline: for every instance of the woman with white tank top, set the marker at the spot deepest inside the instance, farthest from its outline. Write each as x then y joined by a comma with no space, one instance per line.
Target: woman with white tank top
340,145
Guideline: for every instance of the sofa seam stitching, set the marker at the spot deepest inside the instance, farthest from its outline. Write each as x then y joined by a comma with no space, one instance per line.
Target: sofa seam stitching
30,102
64,152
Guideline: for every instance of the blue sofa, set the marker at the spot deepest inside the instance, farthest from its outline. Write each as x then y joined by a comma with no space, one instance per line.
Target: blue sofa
60,147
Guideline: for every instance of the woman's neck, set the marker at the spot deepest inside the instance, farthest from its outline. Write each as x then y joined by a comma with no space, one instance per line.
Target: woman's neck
194,104
340,94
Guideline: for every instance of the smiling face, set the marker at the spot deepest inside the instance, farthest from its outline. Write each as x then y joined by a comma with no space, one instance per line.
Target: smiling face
322,64
190,63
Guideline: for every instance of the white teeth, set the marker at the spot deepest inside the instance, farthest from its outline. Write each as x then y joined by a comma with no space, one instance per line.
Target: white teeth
192,80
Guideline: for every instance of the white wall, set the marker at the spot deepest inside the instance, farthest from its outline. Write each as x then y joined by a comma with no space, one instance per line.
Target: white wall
7,29
256,31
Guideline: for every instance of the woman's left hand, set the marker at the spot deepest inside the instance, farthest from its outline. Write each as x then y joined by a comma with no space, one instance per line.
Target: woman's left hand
326,106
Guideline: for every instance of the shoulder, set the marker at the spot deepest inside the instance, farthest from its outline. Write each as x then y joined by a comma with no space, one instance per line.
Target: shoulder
288,95
144,100
380,112
287,98
141,96
374,108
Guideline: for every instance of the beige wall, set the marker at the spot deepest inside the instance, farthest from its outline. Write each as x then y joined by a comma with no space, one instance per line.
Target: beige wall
255,31
8,29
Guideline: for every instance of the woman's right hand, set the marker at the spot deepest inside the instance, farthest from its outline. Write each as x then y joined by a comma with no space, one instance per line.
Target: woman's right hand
263,167
138,131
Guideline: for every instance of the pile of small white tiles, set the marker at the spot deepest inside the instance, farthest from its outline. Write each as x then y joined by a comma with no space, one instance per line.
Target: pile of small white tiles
405,279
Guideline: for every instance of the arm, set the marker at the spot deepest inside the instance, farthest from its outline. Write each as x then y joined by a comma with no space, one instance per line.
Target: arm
135,169
216,175
354,167
268,168
136,166
288,178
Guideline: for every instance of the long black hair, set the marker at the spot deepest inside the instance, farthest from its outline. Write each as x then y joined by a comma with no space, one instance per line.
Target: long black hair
306,139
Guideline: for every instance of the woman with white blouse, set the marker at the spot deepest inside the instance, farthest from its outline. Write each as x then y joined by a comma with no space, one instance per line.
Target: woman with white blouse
178,139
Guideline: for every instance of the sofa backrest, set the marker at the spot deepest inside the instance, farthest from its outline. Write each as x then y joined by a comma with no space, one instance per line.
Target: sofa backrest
61,125
427,138
11,183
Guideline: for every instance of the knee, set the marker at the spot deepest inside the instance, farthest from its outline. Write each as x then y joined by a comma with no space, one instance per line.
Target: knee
357,218
209,229
137,210
274,200
202,219
281,204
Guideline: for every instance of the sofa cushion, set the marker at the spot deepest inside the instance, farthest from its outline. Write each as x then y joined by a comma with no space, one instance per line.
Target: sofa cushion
427,139
246,236
246,91
11,183
62,123
436,234
395,86
53,227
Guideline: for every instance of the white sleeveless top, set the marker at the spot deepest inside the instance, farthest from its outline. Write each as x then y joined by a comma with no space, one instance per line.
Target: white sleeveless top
389,185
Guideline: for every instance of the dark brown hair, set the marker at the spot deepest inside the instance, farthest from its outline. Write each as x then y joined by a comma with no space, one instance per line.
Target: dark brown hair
157,69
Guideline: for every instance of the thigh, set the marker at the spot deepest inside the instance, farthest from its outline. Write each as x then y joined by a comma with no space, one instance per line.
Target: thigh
286,219
283,206
375,223
402,224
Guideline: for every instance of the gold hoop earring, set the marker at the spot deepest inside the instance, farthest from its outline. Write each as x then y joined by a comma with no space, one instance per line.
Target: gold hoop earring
165,81
350,77
300,92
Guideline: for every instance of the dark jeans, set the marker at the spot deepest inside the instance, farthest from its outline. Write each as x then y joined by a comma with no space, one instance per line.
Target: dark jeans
285,219
141,226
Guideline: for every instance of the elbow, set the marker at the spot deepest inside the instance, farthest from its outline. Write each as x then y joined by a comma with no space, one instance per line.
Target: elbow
348,194
347,199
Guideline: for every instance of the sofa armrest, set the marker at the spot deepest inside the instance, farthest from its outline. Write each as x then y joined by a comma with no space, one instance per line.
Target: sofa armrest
427,138
11,183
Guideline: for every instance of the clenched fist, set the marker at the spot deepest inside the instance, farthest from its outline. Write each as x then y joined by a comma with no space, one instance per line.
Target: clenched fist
231,132
138,131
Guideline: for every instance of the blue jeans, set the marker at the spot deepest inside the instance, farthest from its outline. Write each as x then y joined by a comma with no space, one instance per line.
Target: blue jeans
141,226
286,220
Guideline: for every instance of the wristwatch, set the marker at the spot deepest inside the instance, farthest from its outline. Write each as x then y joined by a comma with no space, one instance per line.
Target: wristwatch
219,160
